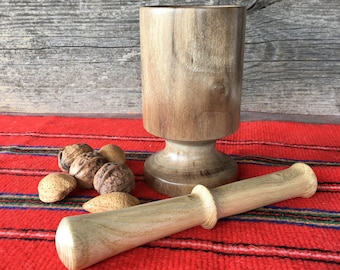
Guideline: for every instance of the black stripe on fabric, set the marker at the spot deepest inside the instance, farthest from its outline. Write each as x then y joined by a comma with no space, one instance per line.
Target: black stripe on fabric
27,239
154,245
54,150
281,144
262,160
329,191
293,216
12,232
142,155
268,214
295,222
34,150
27,229
157,139
25,172
147,246
32,201
82,136
234,254
213,242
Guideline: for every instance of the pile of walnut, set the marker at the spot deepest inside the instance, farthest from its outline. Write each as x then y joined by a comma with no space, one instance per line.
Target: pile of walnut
104,170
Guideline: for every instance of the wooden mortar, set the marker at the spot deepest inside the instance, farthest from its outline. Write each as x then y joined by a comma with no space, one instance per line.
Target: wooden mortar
192,63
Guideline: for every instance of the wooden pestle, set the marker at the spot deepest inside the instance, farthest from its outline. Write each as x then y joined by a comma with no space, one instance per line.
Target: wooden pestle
84,240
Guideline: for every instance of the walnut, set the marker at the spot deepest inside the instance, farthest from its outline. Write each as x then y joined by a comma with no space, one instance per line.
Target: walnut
114,177
113,153
67,155
85,166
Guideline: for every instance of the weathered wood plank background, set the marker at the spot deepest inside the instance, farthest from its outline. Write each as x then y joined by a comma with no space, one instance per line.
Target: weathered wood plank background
82,57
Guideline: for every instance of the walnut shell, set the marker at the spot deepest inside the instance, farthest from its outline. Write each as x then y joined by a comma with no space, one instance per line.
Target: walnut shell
110,201
113,153
84,168
67,155
55,187
114,177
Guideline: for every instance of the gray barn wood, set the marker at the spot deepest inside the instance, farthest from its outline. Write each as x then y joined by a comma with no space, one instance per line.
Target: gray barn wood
78,57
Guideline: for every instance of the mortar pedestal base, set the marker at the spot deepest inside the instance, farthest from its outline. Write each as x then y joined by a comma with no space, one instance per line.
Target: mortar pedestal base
181,165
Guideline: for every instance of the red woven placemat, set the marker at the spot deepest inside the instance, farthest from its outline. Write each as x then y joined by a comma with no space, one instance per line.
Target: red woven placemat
294,234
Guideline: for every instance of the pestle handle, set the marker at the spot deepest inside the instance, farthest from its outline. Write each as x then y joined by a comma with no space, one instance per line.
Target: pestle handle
298,180
84,240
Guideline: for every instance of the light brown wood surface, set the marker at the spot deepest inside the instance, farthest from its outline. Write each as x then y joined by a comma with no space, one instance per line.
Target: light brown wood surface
83,58
192,66
86,239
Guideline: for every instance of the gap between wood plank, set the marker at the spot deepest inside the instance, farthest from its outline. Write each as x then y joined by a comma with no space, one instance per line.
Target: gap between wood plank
246,116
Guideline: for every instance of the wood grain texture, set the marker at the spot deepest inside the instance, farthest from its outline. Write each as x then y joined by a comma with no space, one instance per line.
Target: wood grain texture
80,57
192,61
